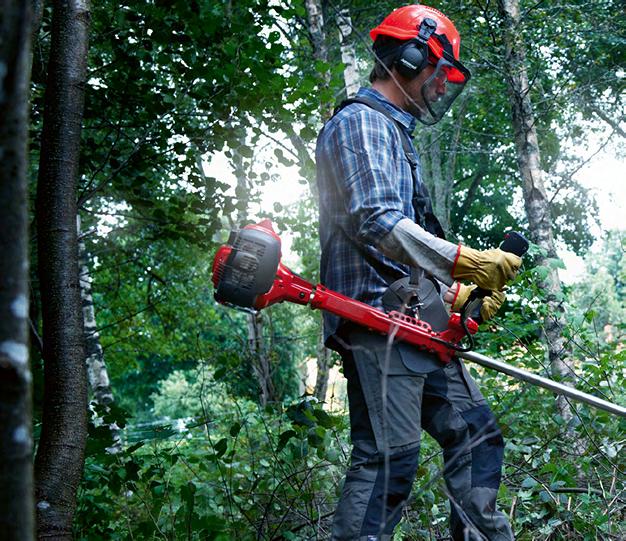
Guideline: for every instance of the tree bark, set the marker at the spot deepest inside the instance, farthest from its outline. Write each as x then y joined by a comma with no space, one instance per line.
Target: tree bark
351,81
438,180
317,31
348,55
536,202
260,358
37,11
97,373
16,470
324,364
60,456
258,354
438,151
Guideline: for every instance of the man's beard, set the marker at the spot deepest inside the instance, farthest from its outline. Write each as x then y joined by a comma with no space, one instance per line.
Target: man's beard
419,111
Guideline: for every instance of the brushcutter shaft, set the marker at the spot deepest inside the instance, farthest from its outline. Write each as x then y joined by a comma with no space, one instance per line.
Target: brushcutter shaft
546,383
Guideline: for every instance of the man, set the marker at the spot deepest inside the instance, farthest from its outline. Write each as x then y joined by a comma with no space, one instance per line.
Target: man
377,229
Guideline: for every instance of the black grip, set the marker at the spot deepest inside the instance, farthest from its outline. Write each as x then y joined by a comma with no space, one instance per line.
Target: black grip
514,243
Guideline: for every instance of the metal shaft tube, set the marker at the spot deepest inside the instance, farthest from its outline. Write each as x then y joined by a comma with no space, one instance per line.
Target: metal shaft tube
546,383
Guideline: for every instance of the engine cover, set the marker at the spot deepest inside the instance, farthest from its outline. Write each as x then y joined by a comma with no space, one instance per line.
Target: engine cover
249,267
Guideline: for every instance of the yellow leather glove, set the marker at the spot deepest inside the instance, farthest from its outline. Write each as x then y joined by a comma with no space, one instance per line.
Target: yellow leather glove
489,269
461,297
489,306
492,304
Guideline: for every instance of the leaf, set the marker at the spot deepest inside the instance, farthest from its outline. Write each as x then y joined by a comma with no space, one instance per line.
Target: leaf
324,419
308,133
315,440
131,469
555,263
544,496
281,158
284,438
187,493
590,315
135,446
220,447
541,272
220,372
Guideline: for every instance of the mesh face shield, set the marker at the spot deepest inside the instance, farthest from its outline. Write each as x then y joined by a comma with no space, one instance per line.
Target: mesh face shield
441,89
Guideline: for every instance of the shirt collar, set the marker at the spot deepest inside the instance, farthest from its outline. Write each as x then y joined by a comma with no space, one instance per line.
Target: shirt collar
406,119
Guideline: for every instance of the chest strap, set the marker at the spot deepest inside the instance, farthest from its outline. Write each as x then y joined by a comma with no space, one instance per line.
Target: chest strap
422,205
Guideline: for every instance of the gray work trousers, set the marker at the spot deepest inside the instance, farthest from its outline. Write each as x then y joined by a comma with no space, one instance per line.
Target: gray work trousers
393,393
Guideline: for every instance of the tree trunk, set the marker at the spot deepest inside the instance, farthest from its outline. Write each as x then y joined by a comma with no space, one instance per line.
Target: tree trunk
536,201
16,470
97,374
257,351
449,163
317,32
60,456
260,358
351,80
324,364
438,150
438,180
348,55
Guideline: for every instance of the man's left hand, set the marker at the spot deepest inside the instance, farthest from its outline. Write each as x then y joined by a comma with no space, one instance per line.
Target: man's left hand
492,304
489,307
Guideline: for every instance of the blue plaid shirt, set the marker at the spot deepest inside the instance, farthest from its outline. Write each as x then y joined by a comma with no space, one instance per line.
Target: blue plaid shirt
365,188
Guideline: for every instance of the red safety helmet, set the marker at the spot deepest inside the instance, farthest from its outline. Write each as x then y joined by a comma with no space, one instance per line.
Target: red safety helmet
431,38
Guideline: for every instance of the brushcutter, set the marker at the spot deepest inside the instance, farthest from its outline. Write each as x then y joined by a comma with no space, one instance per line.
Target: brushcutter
248,274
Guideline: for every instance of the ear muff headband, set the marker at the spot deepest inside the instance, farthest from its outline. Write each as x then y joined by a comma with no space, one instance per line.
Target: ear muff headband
413,55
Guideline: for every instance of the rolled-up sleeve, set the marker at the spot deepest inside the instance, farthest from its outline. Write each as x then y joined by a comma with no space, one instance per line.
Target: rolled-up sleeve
367,146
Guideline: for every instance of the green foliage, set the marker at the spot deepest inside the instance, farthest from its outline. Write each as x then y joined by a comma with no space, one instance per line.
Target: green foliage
234,475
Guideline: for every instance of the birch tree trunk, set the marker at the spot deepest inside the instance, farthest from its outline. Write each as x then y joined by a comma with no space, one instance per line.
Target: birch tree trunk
60,456
97,374
16,470
348,55
258,354
438,149
351,80
438,181
317,32
536,202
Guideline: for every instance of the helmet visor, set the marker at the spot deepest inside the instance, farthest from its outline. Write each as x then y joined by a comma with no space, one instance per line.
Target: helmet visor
442,88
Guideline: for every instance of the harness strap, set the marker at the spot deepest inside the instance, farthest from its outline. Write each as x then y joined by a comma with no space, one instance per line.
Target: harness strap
420,200
424,215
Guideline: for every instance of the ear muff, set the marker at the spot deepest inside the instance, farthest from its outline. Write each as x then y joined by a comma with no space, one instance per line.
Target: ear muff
412,58
413,55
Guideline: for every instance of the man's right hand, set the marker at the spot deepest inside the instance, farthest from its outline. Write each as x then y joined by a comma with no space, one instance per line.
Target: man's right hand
488,269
